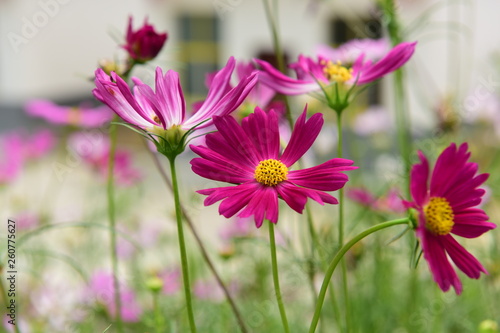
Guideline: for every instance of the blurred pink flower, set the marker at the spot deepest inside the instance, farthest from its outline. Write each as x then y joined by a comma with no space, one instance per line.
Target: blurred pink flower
374,120
144,44
171,281
26,220
239,228
39,144
82,116
94,151
11,157
211,291
390,203
101,290
361,196
372,49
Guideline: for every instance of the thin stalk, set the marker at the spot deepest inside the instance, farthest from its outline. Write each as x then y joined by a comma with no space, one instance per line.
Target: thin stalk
3,292
338,257
182,246
274,263
158,318
345,288
278,50
204,252
402,118
112,226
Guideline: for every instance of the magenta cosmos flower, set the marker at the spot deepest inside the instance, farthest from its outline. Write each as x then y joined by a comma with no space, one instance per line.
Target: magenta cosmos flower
448,206
313,74
248,155
163,111
144,44
81,116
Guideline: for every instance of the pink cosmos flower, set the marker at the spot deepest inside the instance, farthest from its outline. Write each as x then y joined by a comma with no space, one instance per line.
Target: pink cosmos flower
38,144
101,290
361,196
95,153
211,291
82,116
249,155
313,74
448,206
11,157
144,44
171,281
347,53
163,111
375,119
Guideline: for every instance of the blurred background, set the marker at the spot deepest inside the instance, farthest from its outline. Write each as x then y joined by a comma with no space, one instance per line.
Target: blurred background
50,49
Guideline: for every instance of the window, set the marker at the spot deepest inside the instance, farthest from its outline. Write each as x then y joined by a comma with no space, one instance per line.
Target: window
199,51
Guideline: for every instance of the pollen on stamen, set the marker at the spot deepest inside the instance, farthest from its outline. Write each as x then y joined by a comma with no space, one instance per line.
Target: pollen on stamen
156,119
439,217
271,172
336,72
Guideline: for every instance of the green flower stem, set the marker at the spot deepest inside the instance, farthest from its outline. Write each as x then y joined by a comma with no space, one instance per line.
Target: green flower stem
278,50
112,225
182,246
158,318
338,257
276,281
315,245
345,288
204,252
402,118
3,294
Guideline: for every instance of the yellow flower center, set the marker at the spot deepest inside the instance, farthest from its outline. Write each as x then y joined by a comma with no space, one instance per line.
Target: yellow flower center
271,172
336,72
439,216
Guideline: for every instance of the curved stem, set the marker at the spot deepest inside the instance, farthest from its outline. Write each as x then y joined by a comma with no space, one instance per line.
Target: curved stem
182,246
276,281
112,226
339,256
204,252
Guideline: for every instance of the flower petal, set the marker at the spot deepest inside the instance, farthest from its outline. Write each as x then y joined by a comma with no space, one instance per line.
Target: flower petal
463,259
170,97
324,177
262,205
419,178
471,223
235,137
449,166
216,167
224,106
296,197
262,128
110,94
283,84
393,60
441,269
303,136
